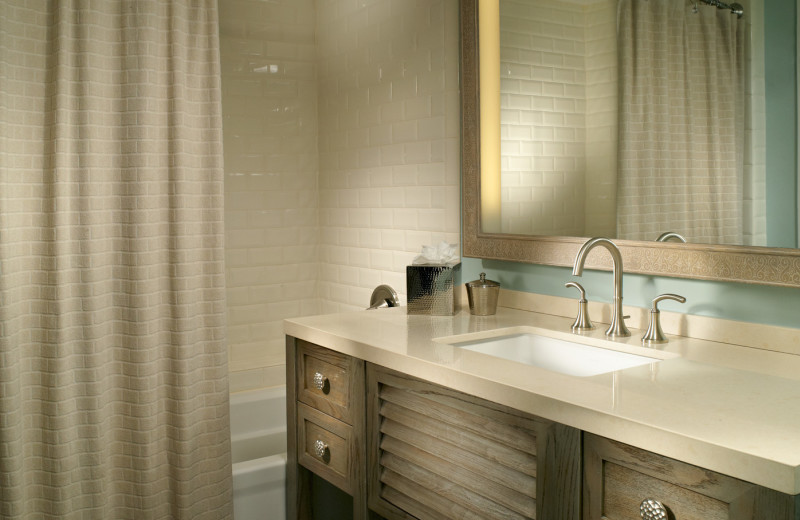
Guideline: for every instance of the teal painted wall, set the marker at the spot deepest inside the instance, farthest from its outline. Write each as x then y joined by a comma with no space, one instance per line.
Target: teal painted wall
732,301
739,302
780,69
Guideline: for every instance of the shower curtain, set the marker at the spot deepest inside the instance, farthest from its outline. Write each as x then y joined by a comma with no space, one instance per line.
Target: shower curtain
113,366
682,118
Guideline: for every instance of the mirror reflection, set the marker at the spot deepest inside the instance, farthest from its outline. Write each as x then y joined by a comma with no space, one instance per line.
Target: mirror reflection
639,120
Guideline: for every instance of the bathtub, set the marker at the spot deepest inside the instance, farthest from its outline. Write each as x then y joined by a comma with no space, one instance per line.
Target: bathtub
258,446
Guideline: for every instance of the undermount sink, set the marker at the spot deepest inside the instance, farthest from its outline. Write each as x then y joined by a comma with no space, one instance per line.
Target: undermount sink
557,355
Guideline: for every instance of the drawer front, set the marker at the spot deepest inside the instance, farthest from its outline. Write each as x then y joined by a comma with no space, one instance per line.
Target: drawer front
625,489
326,447
325,380
618,478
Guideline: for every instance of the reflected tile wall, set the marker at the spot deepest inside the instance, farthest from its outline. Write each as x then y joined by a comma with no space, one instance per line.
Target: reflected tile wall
269,100
558,103
388,141
601,119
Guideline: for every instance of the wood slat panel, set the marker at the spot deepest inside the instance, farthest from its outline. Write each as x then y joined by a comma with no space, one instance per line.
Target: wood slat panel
463,439
503,427
408,505
438,453
514,500
442,507
447,489
490,469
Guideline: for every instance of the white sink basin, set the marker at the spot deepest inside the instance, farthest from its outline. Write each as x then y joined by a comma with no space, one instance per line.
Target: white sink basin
558,355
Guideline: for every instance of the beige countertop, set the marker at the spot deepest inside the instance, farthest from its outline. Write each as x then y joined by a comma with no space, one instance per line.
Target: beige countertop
728,408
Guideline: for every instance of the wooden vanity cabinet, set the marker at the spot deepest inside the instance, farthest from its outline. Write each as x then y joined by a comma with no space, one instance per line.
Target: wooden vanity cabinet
618,478
403,448
325,426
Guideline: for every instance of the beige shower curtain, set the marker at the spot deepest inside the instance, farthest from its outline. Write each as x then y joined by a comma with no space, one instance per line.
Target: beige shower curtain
113,367
682,115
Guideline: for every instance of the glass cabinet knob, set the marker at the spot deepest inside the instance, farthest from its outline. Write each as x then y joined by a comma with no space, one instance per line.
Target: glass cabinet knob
321,383
321,450
653,510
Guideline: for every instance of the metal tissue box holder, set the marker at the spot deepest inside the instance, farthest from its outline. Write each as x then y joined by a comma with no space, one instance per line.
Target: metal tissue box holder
430,289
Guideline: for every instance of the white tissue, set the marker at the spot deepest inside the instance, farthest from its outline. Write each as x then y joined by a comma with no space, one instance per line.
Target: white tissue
440,254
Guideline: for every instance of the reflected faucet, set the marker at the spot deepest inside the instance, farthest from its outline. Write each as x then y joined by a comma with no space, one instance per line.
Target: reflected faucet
617,329
663,237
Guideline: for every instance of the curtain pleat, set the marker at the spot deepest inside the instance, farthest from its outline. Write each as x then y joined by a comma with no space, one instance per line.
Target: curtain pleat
113,364
682,115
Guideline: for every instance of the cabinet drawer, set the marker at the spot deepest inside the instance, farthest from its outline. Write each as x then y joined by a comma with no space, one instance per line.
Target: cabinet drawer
326,447
618,478
325,380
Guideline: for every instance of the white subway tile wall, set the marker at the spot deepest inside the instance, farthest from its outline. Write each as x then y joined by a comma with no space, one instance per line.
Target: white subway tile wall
388,141
342,158
558,103
269,102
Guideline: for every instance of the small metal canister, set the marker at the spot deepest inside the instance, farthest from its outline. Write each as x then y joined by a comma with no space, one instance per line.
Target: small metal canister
482,295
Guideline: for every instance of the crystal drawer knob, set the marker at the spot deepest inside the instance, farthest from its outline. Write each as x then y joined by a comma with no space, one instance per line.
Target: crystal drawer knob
321,450
321,383
653,510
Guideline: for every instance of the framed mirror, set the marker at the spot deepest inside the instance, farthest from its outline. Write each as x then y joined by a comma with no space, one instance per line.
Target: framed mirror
551,238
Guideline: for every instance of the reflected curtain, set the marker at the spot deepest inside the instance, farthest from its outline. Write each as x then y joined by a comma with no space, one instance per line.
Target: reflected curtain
113,366
682,117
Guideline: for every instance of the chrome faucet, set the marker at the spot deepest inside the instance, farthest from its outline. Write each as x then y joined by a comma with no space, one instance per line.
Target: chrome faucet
617,327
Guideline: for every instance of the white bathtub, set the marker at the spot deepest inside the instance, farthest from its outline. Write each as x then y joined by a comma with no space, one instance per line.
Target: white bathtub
258,445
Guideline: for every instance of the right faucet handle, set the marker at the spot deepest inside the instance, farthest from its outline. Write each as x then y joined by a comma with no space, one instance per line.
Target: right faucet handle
582,322
654,333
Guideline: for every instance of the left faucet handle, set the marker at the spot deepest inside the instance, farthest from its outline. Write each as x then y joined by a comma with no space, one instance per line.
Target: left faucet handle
582,322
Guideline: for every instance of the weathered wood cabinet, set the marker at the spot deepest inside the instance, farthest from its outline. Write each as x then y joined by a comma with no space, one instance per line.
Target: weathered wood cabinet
438,453
403,448
325,403
618,478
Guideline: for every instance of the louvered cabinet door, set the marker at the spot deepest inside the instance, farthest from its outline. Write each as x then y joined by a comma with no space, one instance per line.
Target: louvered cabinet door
436,453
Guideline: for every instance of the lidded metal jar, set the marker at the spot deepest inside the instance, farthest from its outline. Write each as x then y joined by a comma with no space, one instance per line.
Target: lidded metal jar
482,296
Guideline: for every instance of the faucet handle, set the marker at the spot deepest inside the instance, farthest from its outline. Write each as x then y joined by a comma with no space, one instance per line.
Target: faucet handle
667,296
577,286
582,322
654,333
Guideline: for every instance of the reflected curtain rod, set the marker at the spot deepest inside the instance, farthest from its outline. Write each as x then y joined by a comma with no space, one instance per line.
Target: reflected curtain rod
735,8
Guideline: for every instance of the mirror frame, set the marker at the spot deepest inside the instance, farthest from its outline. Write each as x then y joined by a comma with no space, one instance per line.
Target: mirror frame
745,264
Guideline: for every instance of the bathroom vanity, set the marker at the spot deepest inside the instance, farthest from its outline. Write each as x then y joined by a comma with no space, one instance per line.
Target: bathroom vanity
384,407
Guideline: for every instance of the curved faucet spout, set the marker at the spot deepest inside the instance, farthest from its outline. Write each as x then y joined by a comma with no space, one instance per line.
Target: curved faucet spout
617,327
663,237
